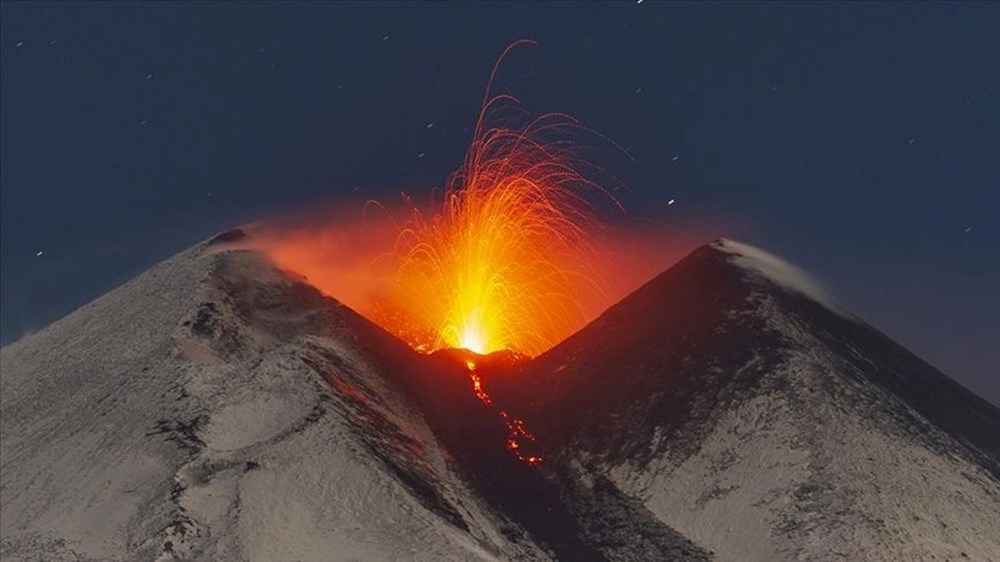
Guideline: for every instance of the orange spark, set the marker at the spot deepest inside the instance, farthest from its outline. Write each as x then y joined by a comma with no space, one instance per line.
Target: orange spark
497,265
518,437
506,259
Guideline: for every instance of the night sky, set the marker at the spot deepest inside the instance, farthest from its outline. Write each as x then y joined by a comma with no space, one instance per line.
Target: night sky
858,141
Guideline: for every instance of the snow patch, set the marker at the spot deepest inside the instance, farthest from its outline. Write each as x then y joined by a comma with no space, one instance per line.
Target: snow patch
247,423
778,271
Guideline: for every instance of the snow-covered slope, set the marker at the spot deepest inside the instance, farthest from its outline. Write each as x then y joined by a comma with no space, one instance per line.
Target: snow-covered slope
215,409
749,413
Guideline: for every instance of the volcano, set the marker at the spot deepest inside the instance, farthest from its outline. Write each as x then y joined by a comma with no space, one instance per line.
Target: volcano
219,408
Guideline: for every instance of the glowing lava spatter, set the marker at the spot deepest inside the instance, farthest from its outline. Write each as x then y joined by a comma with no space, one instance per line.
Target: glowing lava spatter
497,266
519,439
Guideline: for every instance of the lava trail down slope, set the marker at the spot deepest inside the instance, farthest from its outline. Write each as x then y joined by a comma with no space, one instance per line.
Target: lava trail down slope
216,407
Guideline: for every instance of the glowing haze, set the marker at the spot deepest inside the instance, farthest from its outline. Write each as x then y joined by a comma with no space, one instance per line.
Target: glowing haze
498,265
510,254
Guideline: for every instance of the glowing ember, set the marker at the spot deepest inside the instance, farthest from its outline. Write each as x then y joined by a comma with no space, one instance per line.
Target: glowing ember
491,269
504,259
519,439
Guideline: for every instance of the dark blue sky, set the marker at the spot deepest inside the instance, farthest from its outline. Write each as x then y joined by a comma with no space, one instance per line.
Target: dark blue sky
859,141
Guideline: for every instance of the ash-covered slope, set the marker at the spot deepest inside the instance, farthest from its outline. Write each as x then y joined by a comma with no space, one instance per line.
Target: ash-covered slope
751,415
216,409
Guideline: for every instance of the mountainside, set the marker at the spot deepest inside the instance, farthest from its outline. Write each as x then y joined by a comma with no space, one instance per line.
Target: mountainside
216,408
756,418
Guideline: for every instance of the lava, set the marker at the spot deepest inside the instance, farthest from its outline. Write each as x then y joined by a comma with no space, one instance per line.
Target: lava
498,265
510,255
491,269
520,442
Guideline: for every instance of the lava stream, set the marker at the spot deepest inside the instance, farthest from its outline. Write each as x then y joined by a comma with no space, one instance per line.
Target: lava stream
518,438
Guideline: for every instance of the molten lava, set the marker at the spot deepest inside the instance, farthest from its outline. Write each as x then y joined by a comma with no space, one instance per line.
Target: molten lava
505,257
497,264
509,256
520,442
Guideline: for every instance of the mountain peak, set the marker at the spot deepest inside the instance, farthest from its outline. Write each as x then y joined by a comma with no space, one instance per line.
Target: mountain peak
730,394
216,407
763,266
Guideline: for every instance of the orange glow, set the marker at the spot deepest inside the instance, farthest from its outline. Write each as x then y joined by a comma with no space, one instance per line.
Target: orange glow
519,439
498,265
337,252
511,254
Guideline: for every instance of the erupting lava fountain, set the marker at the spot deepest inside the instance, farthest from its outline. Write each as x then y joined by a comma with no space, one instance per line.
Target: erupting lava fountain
501,260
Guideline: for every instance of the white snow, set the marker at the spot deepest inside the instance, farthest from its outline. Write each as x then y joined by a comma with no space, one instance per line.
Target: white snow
127,436
819,468
176,418
777,271
727,510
